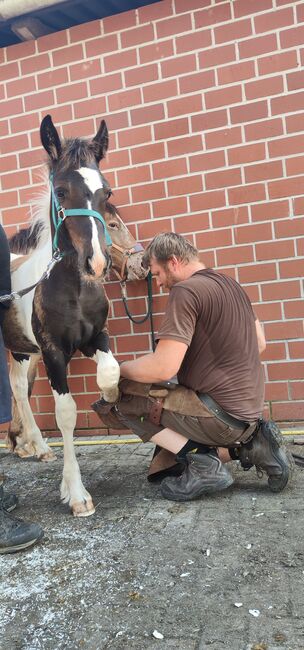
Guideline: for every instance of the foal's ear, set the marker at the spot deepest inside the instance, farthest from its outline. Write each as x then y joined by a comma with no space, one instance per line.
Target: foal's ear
50,138
101,141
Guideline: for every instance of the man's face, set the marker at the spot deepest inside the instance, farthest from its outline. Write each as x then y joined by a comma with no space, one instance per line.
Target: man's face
165,274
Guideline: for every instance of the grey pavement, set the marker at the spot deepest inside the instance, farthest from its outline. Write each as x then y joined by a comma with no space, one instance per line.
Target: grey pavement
223,572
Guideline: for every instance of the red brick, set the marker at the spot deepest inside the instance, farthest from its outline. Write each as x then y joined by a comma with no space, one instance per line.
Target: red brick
141,74
223,137
203,161
276,390
235,255
178,65
274,250
264,87
230,216
106,84
207,200
43,99
253,295
8,163
146,153
191,4
9,71
134,136
14,143
296,390
270,210
254,47
216,55
72,92
185,186
236,72
291,37
269,312
116,159
124,99
210,120
232,32
298,205
169,168
135,343
285,187
249,112
120,60
148,192
214,239
294,123
134,175
294,309
182,146
274,20
191,223
195,41
281,290
149,229
147,114
171,129
253,233
286,146
137,35
277,62
263,171
173,26
289,370
295,80
224,178
133,213
16,215
52,78
184,105
288,411
117,120
291,269
20,50
85,69
16,179
223,97
287,104
246,194
119,21
22,86
11,107
4,128
90,107
61,113
257,273
300,247
156,51
53,41
247,153
170,207
242,8
93,28
25,123
274,352
213,15
161,90
197,81
294,166
264,129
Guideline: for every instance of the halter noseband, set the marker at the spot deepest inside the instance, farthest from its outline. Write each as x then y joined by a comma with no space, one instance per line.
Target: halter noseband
126,253
59,214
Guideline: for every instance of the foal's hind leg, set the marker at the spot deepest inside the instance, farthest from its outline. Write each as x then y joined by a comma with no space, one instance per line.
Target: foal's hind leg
30,442
16,426
72,488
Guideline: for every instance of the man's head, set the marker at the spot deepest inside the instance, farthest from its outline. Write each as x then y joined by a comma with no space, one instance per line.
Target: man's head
171,258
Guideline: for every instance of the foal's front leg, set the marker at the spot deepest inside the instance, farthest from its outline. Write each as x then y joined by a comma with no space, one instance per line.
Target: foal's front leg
108,372
72,489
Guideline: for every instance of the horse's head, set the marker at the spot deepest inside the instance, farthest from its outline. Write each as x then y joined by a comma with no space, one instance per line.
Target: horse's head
79,195
126,253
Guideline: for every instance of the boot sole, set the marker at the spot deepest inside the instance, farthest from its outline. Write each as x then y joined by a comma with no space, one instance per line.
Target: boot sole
222,484
20,547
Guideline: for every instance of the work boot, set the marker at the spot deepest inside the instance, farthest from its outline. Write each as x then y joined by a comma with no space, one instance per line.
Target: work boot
203,474
15,534
9,501
265,452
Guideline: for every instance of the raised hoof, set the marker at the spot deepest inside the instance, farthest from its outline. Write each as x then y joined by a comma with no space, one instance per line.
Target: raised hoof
47,457
83,508
23,453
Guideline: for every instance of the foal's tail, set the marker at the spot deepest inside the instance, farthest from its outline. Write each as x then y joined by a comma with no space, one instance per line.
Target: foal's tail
26,239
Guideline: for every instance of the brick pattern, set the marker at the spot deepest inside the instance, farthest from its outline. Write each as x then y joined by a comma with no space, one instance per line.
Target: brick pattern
205,108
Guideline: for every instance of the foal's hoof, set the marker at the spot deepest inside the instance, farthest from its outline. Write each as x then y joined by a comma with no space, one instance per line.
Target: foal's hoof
83,508
47,456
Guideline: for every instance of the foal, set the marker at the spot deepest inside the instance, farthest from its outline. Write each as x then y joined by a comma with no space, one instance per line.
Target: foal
68,308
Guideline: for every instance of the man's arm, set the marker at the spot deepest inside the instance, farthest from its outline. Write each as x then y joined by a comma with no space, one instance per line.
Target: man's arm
260,336
157,366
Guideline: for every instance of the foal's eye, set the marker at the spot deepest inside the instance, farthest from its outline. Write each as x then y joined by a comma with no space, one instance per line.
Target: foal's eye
60,194
109,193
113,225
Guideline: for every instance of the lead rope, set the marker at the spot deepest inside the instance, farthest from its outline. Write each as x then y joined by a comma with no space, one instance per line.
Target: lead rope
149,314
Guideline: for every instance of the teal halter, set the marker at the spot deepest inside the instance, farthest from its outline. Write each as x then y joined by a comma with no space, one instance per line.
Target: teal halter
59,214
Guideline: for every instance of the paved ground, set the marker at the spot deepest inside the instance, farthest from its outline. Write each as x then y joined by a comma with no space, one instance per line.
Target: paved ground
226,572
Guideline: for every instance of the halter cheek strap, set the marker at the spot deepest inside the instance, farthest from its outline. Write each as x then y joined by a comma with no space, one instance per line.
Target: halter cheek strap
59,214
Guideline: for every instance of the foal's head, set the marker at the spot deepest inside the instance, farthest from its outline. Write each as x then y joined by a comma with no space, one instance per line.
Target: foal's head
79,185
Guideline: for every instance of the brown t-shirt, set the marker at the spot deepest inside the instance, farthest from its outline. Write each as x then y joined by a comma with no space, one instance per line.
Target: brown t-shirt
212,314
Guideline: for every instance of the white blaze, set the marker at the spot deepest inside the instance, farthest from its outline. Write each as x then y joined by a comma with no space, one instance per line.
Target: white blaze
93,181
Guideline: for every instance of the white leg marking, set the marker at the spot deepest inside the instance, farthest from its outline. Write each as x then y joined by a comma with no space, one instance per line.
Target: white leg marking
108,374
31,442
72,488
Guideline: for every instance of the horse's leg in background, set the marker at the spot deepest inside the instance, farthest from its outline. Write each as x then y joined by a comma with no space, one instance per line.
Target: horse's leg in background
31,442
72,489
108,372
16,426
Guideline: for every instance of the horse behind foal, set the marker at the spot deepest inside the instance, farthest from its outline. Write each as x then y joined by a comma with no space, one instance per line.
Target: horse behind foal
68,309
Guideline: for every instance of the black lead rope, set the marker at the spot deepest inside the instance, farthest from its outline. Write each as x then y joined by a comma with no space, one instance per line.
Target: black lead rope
149,314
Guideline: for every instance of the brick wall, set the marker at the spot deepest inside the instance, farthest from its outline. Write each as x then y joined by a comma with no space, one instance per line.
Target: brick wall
205,108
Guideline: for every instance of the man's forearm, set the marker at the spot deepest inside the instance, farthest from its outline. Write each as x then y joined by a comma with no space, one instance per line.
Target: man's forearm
145,369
